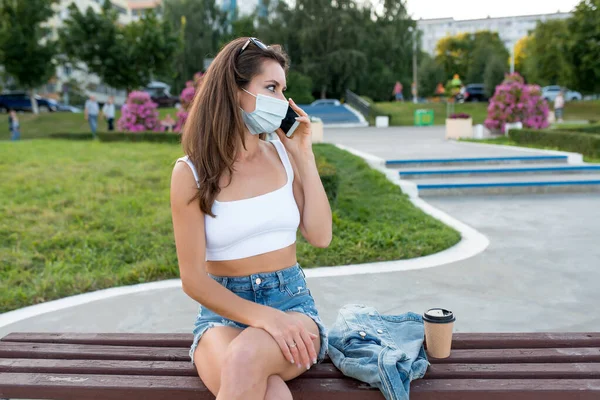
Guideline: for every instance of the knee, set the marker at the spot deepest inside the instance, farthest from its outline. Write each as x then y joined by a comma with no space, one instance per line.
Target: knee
242,357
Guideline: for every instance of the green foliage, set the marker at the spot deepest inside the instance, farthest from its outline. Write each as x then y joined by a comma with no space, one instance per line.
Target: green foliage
430,74
156,137
467,54
26,50
329,178
546,54
494,74
200,26
586,144
83,216
344,44
299,88
124,57
584,33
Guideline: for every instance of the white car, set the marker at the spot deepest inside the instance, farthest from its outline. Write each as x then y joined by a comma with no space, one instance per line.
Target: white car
550,92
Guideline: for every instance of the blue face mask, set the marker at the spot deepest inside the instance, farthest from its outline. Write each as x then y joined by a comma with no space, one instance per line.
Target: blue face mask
267,115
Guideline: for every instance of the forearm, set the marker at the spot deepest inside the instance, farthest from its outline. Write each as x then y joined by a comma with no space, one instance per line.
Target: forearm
316,215
224,302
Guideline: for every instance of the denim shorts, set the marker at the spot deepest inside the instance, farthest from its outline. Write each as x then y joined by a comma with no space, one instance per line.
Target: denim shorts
284,290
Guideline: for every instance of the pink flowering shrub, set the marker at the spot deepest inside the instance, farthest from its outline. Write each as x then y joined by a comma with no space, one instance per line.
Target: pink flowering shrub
514,101
186,97
139,114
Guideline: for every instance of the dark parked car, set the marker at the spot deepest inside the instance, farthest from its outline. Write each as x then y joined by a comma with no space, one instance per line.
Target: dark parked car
472,92
162,97
20,101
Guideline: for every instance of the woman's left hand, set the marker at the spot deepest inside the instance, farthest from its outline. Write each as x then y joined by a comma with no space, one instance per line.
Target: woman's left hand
300,144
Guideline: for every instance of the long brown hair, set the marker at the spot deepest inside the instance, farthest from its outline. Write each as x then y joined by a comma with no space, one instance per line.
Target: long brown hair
214,128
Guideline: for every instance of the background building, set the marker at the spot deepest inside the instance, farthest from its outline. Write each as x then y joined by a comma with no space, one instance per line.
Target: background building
511,29
128,11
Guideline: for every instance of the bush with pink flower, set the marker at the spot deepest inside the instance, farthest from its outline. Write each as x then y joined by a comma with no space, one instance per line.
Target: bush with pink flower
139,114
514,101
186,97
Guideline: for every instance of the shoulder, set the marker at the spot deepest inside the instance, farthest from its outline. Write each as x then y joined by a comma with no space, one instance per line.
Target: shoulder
183,183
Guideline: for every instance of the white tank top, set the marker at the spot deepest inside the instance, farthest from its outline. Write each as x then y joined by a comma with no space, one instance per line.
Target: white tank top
258,225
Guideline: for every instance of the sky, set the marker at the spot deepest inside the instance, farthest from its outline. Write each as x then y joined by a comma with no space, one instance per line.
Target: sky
470,9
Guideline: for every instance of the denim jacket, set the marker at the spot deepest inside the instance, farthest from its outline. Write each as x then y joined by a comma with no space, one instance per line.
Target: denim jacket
385,351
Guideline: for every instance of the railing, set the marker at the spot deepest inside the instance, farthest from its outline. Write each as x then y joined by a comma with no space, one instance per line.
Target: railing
359,103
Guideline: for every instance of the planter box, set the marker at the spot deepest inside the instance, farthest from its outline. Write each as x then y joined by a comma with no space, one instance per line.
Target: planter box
317,131
459,128
382,121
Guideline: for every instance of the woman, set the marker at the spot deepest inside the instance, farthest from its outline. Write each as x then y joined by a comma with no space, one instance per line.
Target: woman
237,202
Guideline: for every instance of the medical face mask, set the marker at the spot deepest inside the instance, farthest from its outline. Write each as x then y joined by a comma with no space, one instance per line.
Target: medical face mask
267,115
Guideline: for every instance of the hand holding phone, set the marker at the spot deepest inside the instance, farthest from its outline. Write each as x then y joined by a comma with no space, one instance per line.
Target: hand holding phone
289,123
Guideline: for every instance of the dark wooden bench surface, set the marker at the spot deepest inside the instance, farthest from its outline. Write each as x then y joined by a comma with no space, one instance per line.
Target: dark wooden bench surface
484,366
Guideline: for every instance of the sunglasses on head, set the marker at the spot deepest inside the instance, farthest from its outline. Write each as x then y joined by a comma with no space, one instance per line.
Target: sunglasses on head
256,42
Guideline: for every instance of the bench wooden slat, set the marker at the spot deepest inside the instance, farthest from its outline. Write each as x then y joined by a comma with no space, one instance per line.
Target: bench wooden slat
104,352
320,371
514,356
127,367
526,340
91,352
459,340
94,387
84,387
112,339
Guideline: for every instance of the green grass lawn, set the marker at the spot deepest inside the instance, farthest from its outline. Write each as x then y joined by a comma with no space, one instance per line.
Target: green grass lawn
504,140
403,113
41,125
78,216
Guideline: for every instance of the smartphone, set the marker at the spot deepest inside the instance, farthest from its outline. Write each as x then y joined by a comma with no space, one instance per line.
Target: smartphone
289,123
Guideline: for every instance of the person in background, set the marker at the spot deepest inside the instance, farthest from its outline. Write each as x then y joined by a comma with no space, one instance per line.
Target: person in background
398,91
91,113
13,125
108,110
559,105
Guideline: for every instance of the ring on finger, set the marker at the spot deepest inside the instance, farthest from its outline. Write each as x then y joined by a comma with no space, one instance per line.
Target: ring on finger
293,344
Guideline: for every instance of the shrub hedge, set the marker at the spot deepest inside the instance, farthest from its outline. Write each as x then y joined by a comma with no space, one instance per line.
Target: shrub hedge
161,137
584,143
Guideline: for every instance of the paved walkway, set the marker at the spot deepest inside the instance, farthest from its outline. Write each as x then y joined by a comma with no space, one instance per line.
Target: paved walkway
540,272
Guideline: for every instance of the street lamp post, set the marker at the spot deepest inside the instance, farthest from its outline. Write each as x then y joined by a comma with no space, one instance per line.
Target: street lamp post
415,86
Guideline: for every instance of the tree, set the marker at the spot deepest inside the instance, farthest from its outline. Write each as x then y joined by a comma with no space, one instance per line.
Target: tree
201,26
584,47
467,54
430,74
124,57
521,50
494,74
546,58
26,50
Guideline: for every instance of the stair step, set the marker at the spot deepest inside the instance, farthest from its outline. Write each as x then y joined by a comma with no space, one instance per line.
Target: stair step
519,170
430,162
509,185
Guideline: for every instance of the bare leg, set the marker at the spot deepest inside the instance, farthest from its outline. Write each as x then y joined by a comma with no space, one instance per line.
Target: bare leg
253,357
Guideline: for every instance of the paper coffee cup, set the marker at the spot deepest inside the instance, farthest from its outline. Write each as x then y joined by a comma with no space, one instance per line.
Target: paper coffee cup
438,324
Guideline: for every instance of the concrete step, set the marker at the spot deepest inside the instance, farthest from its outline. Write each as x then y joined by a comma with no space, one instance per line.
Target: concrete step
434,162
509,185
493,171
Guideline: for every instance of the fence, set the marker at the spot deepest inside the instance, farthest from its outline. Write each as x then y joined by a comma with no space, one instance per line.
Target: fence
358,103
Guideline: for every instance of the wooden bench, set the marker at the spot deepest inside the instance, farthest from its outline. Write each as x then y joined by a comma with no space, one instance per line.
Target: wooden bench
515,366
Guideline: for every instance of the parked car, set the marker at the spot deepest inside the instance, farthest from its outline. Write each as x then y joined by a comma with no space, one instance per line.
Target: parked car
326,102
20,101
65,108
159,93
472,92
550,92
